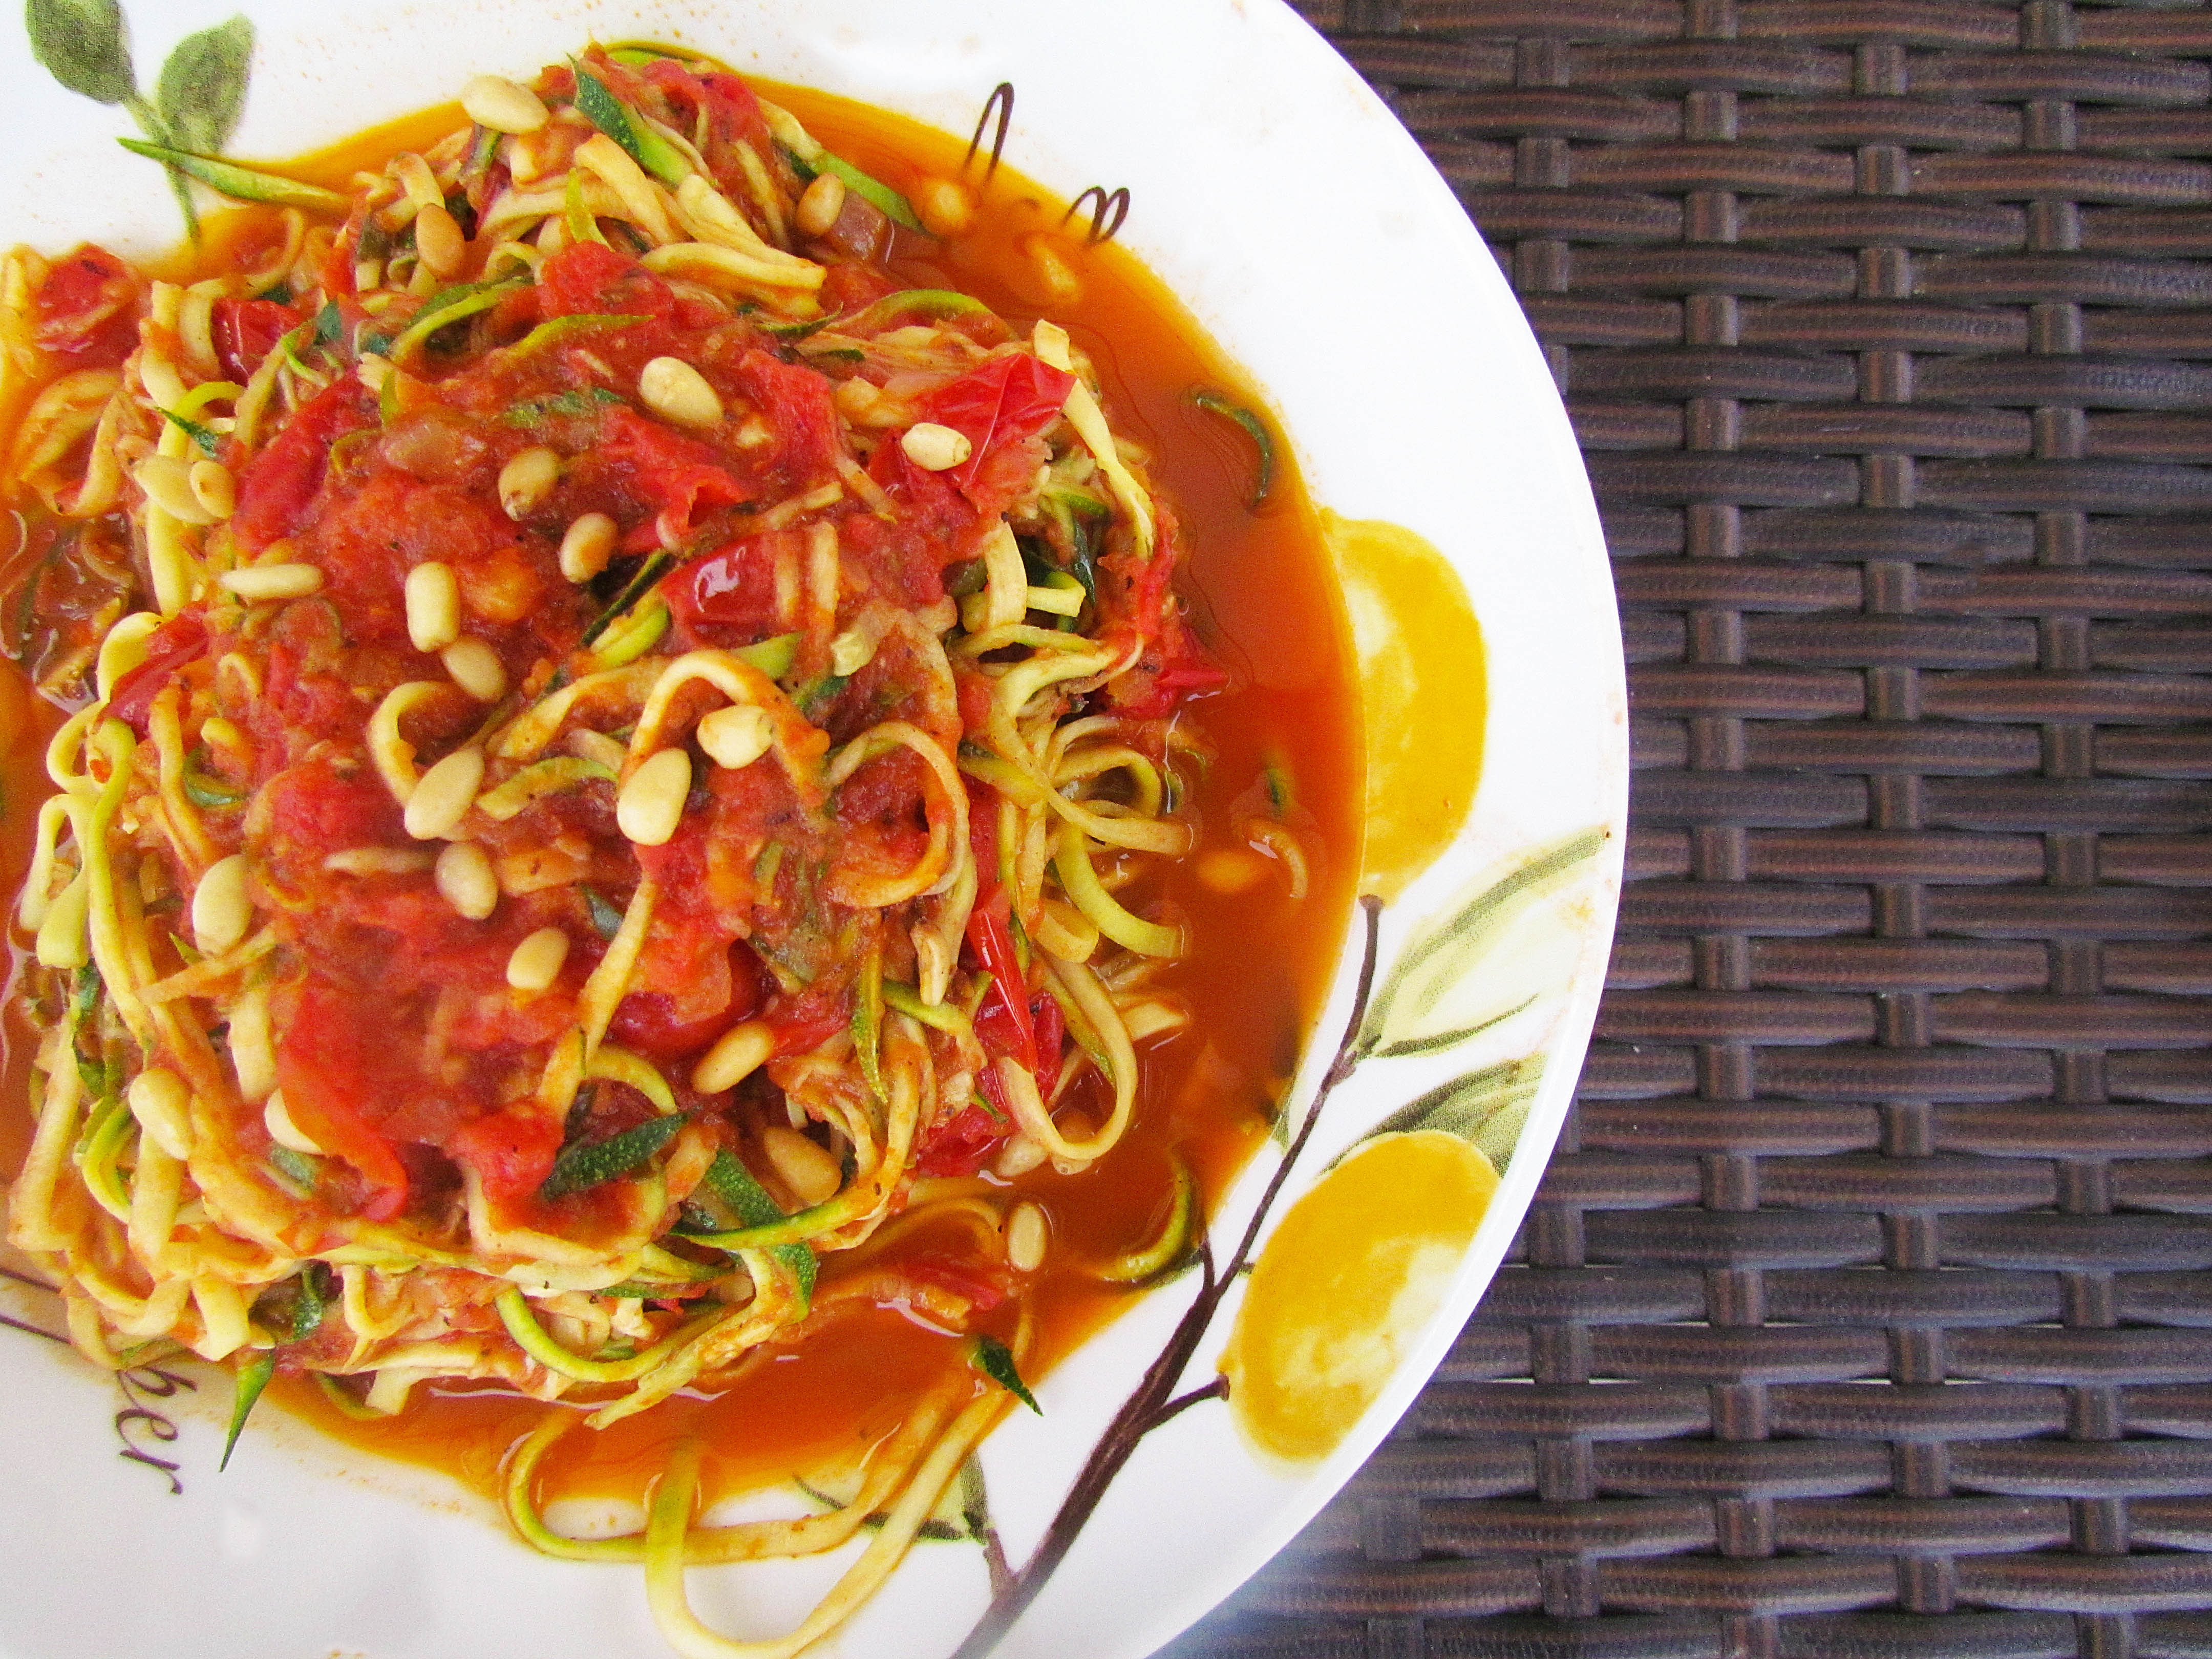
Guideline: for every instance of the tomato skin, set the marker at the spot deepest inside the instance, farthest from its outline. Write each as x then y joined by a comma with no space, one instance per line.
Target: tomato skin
314,812
1050,1023
86,311
1004,1014
512,1151
169,648
587,277
735,587
280,482
730,107
674,476
999,406
797,405
246,331
963,1143
326,1065
980,1287
647,1021
936,526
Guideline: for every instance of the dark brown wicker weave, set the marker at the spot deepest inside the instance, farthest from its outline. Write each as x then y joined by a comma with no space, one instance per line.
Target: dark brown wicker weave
1864,1309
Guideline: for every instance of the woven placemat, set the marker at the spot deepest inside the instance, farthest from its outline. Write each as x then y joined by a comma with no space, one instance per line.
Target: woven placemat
1863,1310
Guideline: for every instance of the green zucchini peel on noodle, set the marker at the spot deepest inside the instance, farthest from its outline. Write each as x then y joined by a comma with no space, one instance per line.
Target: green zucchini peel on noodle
253,1377
631,131
1254,428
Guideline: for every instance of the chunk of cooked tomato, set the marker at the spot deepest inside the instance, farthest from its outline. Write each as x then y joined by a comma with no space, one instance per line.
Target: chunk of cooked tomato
87,310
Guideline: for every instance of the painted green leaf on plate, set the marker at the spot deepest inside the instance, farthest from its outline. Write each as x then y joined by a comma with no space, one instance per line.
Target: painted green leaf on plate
1490,955
82,45
1485,1108
202,90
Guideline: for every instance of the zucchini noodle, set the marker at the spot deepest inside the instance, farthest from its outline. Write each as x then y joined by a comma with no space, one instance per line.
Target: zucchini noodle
628,761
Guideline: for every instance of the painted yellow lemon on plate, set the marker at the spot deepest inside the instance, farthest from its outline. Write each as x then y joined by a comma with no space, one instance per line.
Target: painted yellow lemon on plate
1348,1284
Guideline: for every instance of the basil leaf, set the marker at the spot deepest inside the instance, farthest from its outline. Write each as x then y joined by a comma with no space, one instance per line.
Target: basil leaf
82,45
574,402
996,1361
301,1168
579,1167
201,89
253,1377
203,436
605,916
86,997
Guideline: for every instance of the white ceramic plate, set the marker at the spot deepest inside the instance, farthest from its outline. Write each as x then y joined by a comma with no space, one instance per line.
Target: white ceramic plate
1301,224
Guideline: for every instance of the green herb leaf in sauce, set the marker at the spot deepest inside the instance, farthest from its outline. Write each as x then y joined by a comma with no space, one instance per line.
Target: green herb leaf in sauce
996,1361
574,402
299,1168
207,440
605,916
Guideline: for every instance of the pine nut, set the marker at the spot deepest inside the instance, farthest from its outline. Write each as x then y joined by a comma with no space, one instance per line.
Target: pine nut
222,908
675,391
806,1166
163,1106
214,489
527,479
651,804
433,605
438,241
850,652
1048,265
737,1055
820,204
167,481
854,399
504,106
260,582
253,1051
736,735
62,942
1026,1236
464,879
943,207
443,795
1231,869
477,669
1019,1156
277,1118
588,546
535,963
935,449
377,861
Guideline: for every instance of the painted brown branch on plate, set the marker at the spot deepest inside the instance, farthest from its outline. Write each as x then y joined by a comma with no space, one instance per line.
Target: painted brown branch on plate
1154,1401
